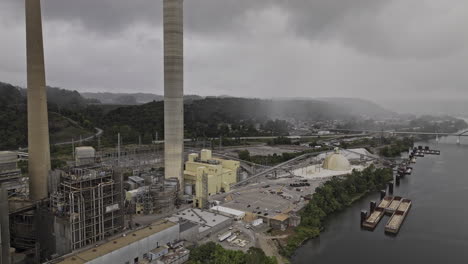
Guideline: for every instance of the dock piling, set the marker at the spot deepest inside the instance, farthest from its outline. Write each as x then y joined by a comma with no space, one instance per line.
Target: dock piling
390,187
363,216
382,194
372,206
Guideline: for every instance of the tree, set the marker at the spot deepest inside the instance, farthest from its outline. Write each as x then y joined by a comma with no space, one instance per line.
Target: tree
244,155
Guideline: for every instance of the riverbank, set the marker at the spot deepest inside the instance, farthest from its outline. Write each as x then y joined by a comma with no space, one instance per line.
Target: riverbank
334,196
437,184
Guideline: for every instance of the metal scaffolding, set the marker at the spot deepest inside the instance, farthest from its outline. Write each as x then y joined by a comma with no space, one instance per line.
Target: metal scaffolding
164,195
91,203
145,199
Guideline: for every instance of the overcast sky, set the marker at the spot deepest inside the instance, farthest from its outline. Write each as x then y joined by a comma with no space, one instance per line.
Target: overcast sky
375,49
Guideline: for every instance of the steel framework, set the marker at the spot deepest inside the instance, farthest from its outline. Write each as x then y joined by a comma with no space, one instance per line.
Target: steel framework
90,200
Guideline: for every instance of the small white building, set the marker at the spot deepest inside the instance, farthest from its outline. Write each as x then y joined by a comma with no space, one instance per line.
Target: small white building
257,222
236,214
323,132
84,156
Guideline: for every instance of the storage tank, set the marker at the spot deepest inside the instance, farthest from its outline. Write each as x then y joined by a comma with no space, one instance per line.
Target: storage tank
243,176
84,155
192,157
205,155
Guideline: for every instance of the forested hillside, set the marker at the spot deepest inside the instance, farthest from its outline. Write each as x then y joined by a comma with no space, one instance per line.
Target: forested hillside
212,117
13,130
73,114
130,98
13,116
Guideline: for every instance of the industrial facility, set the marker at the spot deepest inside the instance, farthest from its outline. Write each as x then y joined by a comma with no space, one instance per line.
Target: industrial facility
10,174
277,198
151,244
87,204
120,206
81,211
205,175
151,193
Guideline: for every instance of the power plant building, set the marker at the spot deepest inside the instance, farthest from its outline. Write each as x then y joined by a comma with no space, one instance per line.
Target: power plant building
208,175
88,207
139,246
85,155
9,166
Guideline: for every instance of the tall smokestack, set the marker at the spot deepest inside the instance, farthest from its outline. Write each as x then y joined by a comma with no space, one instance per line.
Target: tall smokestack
38,123
173,89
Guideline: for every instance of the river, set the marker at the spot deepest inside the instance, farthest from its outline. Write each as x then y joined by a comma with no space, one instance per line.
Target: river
435,231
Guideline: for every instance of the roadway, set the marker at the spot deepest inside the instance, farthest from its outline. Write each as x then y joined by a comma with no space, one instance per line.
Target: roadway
99,132
456,134
273,137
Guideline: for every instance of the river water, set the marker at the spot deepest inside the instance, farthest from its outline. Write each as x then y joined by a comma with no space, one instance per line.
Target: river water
435,230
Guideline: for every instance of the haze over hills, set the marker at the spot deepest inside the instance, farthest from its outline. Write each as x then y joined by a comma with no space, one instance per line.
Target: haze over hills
129,98
417,106
203,115
278,107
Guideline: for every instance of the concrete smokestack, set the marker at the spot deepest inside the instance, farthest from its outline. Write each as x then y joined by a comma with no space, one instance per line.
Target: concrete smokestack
173,89
38,123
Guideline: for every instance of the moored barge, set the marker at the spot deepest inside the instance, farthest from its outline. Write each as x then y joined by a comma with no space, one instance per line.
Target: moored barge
396,220
374,218
393,206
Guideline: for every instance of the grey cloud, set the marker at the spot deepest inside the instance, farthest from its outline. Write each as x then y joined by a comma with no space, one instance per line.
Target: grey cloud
113,16
263,48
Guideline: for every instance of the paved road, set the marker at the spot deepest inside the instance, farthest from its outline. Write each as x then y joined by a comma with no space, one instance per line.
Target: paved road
273,137
463,133
98,134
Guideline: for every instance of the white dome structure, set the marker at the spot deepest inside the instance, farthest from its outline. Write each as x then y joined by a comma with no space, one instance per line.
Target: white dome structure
336,162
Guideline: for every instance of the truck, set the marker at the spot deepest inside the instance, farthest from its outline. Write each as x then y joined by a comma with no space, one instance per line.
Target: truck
223,237
230,239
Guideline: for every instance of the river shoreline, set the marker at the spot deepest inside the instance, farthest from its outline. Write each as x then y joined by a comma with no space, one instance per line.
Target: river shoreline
437,184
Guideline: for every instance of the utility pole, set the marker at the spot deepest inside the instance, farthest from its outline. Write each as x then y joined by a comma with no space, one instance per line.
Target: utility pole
118,149
73,149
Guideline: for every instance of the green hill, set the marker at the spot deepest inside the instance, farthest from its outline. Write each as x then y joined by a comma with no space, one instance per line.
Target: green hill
13,120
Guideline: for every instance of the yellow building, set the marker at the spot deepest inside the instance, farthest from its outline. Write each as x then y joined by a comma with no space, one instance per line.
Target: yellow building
219,175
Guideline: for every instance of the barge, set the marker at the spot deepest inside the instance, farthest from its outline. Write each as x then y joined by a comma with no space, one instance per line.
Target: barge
393,206
385,202
394,224
374,218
